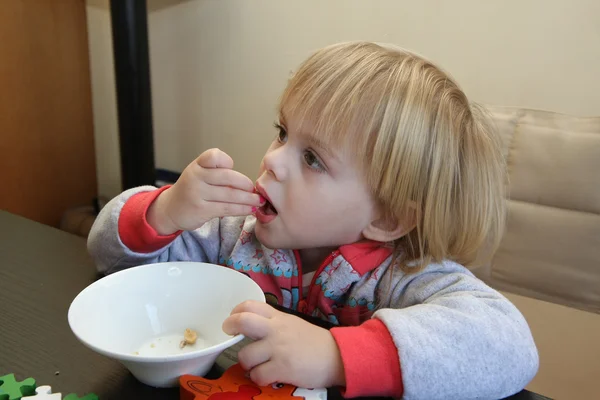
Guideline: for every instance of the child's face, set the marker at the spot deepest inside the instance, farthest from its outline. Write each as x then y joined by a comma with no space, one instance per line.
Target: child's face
318,195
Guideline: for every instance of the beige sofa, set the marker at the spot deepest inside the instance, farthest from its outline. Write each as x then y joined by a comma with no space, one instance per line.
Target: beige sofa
548,263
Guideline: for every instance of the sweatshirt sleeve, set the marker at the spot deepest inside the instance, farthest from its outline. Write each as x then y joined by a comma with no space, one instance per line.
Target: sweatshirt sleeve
457,338
370,359
133,227
121,237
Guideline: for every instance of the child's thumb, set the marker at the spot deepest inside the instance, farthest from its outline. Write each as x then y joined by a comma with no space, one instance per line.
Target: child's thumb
215,158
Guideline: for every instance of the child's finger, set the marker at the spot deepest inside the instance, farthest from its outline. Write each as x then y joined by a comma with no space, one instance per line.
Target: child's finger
230,209
248,324
235,196
214,158
228,177
254,354
256,307
265,373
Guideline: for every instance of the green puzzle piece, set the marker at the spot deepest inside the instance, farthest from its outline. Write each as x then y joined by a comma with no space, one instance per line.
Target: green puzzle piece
10,389
73,396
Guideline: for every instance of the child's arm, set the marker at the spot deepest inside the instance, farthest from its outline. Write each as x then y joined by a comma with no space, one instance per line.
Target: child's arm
455,338
145,225
121,236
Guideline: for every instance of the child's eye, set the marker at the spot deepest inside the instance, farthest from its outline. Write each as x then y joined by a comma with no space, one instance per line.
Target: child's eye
313,161
282,135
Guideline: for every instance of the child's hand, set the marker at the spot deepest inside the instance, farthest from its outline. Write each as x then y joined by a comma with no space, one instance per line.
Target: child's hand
287,348
208,188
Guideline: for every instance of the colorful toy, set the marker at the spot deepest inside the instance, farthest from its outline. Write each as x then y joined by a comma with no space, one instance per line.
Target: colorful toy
235,384
73,396
45,393
10,389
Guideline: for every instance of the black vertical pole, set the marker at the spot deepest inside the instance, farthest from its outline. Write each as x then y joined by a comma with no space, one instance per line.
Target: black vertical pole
134,101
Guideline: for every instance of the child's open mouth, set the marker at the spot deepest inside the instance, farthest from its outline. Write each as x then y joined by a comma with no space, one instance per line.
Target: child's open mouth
268,209
267,212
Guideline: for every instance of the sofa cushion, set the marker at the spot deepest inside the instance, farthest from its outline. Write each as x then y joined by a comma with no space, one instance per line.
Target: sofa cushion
551,247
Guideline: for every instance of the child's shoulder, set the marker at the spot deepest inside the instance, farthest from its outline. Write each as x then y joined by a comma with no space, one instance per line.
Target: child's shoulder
446,267
445,276
436,279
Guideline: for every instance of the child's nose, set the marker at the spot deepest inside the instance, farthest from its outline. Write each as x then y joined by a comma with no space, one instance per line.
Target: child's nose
275,165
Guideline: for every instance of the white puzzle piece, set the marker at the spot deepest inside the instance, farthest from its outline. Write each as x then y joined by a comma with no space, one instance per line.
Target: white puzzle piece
44,393
311,394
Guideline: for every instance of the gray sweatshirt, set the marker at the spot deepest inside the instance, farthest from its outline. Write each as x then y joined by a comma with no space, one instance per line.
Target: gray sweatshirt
455,337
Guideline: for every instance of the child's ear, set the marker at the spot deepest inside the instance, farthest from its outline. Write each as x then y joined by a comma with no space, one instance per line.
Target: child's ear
385,230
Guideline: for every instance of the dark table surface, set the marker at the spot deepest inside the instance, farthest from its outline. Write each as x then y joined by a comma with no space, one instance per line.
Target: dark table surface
42,269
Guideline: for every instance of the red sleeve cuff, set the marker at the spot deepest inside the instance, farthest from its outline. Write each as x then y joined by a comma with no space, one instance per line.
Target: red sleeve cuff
135,231
370,358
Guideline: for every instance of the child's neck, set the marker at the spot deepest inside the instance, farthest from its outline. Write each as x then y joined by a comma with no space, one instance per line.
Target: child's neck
313,258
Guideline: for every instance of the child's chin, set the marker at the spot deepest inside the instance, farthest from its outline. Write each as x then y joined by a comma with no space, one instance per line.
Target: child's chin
265,237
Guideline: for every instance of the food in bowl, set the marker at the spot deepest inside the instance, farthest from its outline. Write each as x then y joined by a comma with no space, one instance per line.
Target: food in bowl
189,337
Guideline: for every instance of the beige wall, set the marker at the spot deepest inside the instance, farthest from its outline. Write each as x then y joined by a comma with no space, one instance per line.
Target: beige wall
218,66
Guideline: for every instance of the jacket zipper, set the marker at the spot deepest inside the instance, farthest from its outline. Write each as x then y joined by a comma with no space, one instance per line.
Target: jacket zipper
299,264
318,272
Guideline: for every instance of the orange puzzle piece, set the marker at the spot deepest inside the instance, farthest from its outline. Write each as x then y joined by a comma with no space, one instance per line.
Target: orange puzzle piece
236,385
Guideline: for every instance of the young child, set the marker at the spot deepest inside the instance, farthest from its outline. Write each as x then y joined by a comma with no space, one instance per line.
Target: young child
382,184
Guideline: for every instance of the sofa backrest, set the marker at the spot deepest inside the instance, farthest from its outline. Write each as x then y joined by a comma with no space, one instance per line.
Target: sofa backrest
551,247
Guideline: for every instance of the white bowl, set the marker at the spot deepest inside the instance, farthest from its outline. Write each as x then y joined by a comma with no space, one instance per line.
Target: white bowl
138,316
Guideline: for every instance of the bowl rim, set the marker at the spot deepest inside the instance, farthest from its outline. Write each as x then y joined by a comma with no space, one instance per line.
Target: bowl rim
172,357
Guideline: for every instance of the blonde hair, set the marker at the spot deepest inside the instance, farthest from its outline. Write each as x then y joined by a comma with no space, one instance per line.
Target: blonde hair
422,145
